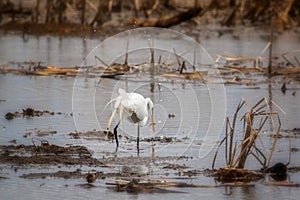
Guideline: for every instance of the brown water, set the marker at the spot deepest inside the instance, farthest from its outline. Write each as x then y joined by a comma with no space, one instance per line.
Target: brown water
82,102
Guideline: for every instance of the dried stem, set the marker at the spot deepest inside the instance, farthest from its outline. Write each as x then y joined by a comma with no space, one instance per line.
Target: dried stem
236,156
274,143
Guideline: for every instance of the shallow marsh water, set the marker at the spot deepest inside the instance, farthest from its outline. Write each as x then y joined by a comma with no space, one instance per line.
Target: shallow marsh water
189,125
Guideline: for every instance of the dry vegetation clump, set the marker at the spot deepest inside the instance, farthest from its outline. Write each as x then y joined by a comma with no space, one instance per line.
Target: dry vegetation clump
239,146
227,175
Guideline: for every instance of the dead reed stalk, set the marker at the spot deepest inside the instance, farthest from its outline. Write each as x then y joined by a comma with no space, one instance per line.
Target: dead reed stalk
254,121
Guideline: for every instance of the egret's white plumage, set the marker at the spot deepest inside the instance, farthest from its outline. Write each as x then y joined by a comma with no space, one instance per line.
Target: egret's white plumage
132,107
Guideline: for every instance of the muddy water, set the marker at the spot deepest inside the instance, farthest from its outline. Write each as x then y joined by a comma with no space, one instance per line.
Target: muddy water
189,102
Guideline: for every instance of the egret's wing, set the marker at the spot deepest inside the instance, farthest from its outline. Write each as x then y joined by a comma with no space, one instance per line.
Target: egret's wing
126,100
134,103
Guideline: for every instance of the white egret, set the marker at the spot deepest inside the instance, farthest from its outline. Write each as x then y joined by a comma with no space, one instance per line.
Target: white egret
134,108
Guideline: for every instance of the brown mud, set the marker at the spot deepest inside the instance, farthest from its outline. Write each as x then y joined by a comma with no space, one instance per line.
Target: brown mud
93,135
108,135
30,112
51,154
46,154
129,179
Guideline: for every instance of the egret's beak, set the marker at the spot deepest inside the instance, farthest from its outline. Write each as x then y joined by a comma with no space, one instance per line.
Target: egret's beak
152,120
153,129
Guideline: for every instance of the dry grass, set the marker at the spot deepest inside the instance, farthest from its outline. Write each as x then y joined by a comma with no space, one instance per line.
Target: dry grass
237,153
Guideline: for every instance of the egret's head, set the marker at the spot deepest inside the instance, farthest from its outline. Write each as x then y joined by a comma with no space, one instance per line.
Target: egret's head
149,104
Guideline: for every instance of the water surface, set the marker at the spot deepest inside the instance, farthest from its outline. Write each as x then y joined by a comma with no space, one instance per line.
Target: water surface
190,102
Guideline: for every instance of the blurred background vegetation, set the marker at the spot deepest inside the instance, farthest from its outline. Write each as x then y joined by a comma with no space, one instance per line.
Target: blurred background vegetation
27,14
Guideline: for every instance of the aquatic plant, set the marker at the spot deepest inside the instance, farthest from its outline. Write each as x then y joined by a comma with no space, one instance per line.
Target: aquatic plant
254,120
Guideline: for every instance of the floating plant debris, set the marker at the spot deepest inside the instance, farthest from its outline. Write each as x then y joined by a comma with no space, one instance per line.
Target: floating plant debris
226,175
90,135
30,112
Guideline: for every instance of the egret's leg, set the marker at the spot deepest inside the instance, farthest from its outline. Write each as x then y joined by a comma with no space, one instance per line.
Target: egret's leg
116,135
138,140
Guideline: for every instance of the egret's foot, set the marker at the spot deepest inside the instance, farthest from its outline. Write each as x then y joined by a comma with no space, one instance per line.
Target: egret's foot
116,152
138,151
